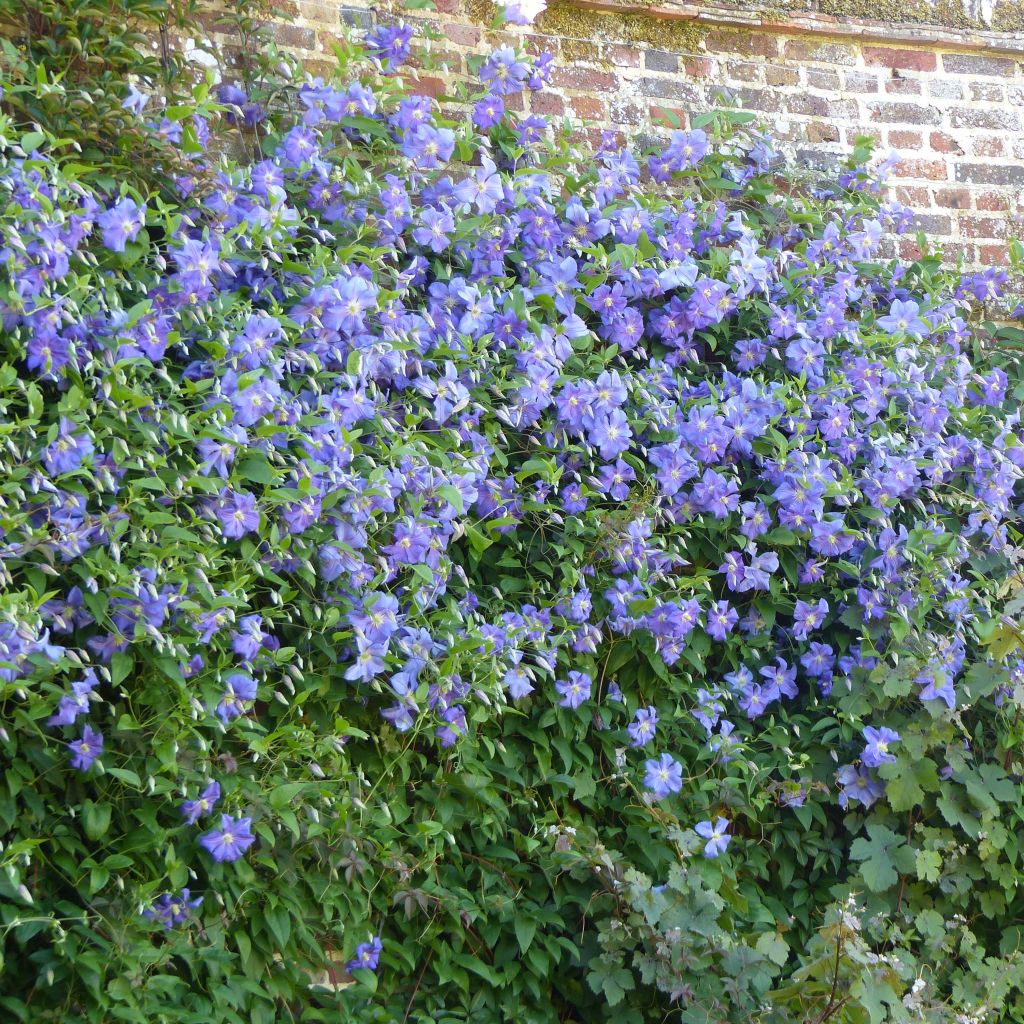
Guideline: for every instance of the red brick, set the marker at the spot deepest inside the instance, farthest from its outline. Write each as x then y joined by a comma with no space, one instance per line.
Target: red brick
993,120
983,227
988,145
462,35
909,249
904,140
623,56
584,79
700,67
905,60
820,132
425,85
943,143
903,87
750,44
589,108
547,104
994,255
668,117
992,202
905,113
975,64
915,196
742,71
860,82
777,76
953,198
804,51
823,78
932,170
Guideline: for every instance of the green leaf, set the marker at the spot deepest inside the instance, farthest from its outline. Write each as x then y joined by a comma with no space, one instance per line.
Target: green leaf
256,469
453,496
773,946
928,864
877,856
120,665
95,819
526,928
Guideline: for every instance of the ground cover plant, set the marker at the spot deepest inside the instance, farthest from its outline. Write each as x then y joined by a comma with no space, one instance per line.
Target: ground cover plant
451,575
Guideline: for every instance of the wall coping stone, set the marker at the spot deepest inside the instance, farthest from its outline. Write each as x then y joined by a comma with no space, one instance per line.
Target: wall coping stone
842,26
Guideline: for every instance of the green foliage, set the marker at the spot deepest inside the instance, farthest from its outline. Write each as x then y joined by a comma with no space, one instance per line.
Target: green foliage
67,65
524,872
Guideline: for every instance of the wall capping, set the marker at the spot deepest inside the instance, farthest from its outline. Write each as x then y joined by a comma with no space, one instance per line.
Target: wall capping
902,34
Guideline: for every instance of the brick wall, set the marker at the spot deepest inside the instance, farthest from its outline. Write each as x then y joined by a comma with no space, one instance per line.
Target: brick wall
948,98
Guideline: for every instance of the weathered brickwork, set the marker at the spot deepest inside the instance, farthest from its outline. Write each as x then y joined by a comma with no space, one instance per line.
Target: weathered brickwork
948,99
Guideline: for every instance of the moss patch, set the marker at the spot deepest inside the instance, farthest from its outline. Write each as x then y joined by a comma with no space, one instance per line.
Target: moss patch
949,13
566,19
1008,16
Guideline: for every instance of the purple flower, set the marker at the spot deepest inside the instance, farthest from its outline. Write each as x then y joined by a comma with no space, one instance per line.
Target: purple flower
369,660
876,751
230,841
664,776
390,44
859,785
171,910
367,955
239,690
722,617
504,73
76,703
642,729
903,318
121,223
807,618
193,810
488,112
237,513
428,147
86,749
715,834
517,683
68,450
574,690
611,434
435,227
524,12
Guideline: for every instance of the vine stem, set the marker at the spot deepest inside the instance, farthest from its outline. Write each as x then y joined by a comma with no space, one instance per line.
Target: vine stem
416,987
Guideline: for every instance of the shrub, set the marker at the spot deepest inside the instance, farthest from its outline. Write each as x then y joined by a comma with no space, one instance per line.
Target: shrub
451,575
